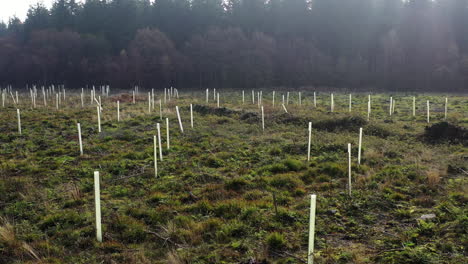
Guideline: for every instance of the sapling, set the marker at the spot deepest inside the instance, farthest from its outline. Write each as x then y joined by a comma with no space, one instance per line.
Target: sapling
79,139
158,127
19,120
97,202
360,146
180,120
310,255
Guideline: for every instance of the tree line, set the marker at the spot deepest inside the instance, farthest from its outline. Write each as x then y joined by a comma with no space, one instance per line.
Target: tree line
369,44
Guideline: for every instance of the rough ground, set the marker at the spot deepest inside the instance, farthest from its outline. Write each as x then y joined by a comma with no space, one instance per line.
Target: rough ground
213,199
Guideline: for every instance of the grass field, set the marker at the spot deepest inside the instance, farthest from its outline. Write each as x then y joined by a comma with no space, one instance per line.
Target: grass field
229,192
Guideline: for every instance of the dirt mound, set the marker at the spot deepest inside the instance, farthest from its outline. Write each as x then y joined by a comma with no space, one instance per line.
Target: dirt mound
208,110
286,118
346,123
445,132
126,98
250,117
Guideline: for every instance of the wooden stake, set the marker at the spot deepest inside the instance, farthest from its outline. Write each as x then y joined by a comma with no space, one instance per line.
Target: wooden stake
155,157
167,132
309,142
391,106
158,127
360,146
191,115
243,97
350,103
315,100
368,109
19,120
414,106
118,111
349,168
160,109
446,108
263,119
97,202
284,107
332,103
428,115
149,102
180,120
273,98
217,99
310,255
80,140
99,118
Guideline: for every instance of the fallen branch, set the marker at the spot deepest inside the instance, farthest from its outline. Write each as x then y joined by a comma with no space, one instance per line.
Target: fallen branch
166,239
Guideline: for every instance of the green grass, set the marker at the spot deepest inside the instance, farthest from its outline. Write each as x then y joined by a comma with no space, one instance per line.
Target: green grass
213,199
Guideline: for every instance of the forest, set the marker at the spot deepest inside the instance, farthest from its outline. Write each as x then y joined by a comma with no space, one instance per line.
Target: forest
392,45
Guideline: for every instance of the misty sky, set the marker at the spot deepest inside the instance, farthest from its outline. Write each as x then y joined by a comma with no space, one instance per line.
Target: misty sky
9,8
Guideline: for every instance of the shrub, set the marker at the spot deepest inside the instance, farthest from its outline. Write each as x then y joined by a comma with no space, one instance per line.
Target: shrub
235,184
293,165
275,241
128,229
286,181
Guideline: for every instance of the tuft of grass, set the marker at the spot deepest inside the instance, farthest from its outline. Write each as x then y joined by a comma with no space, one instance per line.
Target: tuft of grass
275,241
